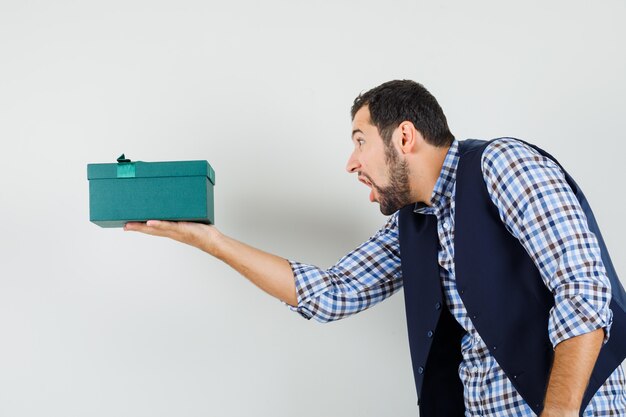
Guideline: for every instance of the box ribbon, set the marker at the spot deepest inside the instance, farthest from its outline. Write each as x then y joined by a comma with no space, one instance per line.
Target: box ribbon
125,168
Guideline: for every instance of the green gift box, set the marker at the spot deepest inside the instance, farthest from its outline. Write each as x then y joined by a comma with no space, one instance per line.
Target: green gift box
137,191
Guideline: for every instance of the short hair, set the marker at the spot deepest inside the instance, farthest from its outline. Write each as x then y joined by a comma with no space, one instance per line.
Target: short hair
397,101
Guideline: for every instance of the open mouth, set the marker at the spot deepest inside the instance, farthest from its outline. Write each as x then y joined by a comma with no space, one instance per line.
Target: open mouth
370,185
366,182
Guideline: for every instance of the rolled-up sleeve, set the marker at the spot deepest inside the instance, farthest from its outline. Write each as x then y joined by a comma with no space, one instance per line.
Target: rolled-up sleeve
538,207
364,277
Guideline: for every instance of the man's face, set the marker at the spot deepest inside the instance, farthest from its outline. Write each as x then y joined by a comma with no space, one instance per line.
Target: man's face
378,166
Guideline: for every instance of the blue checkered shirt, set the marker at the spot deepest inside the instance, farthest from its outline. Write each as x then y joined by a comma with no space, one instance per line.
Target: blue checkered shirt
538,207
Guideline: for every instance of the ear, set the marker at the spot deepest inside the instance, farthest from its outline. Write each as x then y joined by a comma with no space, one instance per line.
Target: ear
410,138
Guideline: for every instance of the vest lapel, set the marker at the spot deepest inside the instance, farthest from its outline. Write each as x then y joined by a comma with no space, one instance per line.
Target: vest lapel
434,335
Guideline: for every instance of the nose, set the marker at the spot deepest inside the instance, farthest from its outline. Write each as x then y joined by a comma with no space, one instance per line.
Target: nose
353,164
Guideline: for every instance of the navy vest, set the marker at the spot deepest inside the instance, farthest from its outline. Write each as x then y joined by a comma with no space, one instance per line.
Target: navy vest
502,291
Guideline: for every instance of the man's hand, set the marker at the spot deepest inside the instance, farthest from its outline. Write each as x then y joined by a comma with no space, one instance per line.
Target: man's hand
200,235
269,272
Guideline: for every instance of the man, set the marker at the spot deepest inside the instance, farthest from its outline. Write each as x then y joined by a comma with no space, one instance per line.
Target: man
508,284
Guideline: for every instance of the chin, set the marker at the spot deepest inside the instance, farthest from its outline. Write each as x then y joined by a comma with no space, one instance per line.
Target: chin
387,211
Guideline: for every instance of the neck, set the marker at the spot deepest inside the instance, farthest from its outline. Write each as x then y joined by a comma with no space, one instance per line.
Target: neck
433,163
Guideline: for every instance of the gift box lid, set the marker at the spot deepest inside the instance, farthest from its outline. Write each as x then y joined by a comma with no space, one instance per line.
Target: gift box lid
125,168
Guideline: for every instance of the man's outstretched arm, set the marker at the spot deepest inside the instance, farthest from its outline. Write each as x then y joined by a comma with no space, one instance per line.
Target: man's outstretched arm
271,273
359,280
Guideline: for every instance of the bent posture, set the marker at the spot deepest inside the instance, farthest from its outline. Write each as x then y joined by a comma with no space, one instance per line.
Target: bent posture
513,305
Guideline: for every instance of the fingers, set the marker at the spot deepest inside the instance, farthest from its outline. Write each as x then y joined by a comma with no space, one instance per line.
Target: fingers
152,227
199,235
162,225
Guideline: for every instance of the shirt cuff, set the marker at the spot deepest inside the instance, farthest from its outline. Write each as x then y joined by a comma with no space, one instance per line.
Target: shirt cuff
575,316
302,276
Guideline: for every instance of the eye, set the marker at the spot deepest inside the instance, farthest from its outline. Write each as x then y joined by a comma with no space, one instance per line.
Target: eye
360,142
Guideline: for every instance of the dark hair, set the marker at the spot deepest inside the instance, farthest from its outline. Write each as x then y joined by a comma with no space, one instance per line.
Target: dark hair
397,101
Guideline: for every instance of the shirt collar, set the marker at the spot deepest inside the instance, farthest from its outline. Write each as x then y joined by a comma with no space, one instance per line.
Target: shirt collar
447,178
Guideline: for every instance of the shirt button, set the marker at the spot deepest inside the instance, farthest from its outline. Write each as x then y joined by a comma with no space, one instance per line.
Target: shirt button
446,225
475,369
430,333
437,305
420,370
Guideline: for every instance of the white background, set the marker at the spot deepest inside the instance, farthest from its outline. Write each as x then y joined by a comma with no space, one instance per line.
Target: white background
99,322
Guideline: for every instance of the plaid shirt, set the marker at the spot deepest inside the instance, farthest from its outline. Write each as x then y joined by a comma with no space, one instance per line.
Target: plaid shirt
538,207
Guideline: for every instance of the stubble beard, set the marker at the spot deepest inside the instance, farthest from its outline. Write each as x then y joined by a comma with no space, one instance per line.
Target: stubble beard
398,193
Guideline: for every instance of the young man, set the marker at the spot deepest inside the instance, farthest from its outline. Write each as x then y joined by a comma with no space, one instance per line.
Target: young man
513,305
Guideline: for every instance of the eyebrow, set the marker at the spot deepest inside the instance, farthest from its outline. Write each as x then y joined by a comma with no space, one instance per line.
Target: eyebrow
356,131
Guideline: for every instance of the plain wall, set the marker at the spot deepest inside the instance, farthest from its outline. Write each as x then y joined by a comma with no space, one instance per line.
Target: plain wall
100,322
